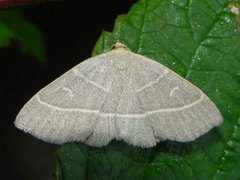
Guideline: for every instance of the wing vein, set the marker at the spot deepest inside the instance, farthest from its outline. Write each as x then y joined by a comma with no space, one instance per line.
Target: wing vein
117,114
91,82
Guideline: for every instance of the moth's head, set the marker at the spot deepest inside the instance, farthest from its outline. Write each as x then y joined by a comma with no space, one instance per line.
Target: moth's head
118,46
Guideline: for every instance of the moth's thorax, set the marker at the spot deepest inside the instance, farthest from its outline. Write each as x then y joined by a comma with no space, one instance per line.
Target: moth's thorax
122,61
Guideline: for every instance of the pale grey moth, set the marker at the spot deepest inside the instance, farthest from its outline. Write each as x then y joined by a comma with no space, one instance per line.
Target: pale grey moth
119,95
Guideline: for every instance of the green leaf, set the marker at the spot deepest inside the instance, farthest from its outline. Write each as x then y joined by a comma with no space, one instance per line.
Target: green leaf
200,40
5,35
13,26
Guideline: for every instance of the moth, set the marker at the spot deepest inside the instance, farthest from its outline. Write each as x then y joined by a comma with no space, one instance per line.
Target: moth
119,95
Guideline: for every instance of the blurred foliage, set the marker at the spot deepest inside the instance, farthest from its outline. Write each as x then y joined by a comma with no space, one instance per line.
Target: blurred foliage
15,28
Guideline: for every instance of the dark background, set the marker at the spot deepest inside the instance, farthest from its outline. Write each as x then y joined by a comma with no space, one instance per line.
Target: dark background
71,30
